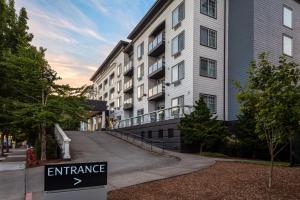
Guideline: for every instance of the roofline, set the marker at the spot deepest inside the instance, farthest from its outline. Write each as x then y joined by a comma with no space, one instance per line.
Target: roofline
146,19
121,44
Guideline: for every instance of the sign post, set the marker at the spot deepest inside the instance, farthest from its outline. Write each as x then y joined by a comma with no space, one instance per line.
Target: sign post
76,181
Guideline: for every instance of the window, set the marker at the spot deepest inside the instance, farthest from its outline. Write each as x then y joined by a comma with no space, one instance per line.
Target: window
119,102
178,15
105,96
140,118
99,88
119,86
209,8
161,133
178,44
111,94
170,133
112,79
211,102
105,84
287,45
208,37
208,67
178,72
176,103
119,70
140,71
287,17
140,91
140,50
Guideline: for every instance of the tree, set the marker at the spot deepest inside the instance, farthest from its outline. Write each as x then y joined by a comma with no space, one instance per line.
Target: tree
276,93
201,127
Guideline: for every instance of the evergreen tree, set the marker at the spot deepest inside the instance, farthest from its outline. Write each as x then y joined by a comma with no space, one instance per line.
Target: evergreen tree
201,127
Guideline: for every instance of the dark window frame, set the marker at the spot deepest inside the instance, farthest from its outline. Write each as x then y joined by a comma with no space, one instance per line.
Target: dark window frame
208,31
216,70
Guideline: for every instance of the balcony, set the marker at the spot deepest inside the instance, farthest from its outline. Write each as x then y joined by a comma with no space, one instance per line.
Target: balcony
156,93
128,104
157,70
128,86
157,46
128,69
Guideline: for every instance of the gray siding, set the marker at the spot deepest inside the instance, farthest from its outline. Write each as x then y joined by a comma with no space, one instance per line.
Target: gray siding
240,48
256,26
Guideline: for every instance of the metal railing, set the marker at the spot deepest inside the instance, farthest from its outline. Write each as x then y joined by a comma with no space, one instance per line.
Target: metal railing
64,142
157,89
157,65
147,143
128,84
158,40
128,67
175,112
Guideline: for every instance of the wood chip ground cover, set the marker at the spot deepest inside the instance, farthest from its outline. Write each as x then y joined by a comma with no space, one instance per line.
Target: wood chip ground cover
224,180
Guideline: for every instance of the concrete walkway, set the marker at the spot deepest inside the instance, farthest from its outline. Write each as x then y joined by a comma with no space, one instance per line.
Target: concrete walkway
12,175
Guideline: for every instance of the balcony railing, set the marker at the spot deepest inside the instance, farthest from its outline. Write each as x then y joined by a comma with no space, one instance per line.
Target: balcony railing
157,66
128,103
176,112
158,40
128,68
128,85
156,91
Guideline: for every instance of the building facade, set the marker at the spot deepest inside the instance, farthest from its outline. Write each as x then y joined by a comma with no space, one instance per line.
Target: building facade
184,49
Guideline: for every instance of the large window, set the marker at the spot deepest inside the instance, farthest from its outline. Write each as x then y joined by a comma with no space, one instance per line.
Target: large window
178,72
140,71
209,8
111,79
287,45
178,44
119,102
211,102
208,37
112,94
178,15
140,50
119,86
287,17
208,67
176,102
140,92
119,70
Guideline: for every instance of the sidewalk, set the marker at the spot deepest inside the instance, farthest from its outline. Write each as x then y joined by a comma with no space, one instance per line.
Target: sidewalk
12,175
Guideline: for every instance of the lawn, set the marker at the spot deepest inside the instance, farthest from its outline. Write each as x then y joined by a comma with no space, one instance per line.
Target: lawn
224,180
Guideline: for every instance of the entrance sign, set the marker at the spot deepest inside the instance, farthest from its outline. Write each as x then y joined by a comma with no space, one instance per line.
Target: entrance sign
75,176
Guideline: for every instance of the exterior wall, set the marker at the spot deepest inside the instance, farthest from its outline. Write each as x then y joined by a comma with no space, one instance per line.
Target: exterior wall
269,28
119,59
240,48
255,27
205,85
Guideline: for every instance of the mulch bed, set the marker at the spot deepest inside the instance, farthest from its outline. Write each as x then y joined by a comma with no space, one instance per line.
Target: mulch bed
224,180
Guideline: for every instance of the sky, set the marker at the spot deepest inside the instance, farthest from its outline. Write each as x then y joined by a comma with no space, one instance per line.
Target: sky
79,34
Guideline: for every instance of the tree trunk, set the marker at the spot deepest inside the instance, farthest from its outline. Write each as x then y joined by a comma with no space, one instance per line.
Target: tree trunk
201,148
271,170
43,143
2,144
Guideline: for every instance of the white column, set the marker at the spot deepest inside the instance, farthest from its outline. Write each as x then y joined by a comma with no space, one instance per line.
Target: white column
67,155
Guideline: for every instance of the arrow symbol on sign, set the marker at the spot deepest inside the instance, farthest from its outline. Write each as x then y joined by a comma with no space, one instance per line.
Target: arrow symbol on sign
77,181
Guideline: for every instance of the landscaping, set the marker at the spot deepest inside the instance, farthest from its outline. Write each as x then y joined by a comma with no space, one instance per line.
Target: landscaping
224,180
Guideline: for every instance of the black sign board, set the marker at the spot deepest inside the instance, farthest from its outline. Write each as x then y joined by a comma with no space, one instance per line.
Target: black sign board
77,175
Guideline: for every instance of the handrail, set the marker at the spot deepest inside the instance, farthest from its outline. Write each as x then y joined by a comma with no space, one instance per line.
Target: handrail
175,112
63,141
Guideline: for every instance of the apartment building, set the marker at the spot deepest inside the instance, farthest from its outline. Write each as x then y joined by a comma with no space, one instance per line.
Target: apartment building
184,49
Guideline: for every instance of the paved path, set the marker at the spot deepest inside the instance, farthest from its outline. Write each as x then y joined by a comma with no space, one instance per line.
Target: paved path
127,163
12,175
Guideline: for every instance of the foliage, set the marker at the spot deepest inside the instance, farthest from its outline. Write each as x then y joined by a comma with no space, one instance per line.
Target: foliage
201,127
275,94
30,97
